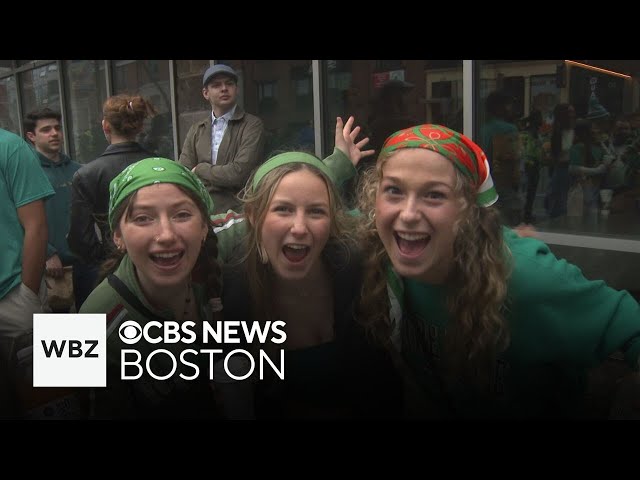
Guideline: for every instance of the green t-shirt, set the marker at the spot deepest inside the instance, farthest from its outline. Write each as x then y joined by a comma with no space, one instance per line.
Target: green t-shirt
22,181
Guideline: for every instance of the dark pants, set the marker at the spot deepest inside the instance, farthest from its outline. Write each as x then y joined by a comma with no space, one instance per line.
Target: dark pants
556,200
533,176
84,281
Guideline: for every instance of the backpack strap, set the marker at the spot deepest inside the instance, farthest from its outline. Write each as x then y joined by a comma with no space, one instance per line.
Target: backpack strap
120,287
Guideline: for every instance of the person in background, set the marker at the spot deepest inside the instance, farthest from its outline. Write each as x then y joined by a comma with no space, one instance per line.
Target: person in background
488,324
23,190
500,139
43,128
291,257
533,154
224,148
89,235
586,167
562,134
389,112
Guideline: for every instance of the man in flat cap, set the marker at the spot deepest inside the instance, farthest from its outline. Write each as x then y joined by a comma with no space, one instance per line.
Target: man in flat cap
224,148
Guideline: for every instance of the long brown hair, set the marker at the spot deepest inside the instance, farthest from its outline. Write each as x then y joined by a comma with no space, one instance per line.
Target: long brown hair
256,205
477,286
206,267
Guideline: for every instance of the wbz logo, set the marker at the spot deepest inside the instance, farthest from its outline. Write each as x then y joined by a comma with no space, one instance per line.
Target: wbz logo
69,350
74,348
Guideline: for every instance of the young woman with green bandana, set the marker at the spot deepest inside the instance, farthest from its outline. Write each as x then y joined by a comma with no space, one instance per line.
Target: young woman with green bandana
158,215
291,257
489,324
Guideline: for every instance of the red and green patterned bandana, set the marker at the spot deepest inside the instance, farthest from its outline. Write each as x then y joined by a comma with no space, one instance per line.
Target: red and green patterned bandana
464,153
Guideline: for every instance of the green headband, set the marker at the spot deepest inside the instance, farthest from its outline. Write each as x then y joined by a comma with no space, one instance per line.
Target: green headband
151,171
289,157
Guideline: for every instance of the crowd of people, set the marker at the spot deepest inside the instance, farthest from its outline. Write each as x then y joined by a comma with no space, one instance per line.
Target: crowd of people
422,302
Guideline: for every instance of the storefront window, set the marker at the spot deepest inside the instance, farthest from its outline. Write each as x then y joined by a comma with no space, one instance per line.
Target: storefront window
385,96
280,92
9,105
86,91
40,88
191,105
569,161
149,78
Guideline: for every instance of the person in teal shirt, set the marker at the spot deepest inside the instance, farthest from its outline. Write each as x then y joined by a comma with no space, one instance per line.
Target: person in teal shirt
488,324
23,191
43,128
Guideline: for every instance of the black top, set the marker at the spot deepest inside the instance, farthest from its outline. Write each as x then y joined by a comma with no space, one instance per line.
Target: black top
90,200
347,377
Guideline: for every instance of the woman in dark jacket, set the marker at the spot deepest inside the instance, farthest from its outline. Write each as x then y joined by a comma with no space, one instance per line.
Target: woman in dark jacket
124,117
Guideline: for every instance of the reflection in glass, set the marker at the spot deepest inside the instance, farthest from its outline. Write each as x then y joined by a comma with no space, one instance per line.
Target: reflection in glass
150,79
6,66
40,88
280,92
191,104
85,94
385,96
606,106
9,105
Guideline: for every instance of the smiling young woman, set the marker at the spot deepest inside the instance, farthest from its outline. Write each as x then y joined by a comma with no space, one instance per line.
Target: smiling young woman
291,257
488,323
159,215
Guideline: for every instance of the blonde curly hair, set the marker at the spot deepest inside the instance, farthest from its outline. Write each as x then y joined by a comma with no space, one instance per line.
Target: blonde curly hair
477,286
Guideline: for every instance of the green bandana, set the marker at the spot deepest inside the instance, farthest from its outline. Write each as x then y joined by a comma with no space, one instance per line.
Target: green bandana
289,157
148,172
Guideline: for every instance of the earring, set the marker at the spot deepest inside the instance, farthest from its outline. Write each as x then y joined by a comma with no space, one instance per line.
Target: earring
262,255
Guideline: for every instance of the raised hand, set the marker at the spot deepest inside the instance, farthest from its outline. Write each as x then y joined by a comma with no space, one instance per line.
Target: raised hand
345,141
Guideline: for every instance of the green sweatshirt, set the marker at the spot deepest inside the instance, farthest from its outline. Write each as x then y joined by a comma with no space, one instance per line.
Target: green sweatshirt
561,325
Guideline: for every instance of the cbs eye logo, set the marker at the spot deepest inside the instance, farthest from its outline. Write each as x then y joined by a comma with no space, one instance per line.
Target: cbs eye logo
130,332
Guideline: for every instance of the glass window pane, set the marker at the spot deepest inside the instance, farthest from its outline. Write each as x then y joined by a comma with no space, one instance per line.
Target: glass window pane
574,167
40,88
192,106
9,105
385,96
6,66
273,91
149,78
85,94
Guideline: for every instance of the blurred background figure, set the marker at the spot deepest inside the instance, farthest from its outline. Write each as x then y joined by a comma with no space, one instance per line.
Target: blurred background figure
389,113
500,140
562,133
533,154
586,168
